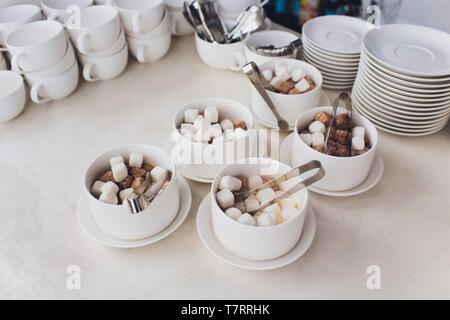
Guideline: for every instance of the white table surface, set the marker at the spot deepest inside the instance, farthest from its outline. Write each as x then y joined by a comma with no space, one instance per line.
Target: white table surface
402,225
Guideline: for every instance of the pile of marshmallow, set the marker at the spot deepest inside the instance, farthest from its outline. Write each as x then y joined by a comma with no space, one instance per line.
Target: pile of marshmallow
289,80
344,141
117,184
277,213
206,128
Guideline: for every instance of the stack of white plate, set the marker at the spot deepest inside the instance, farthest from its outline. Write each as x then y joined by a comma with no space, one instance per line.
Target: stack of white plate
403,82
333,45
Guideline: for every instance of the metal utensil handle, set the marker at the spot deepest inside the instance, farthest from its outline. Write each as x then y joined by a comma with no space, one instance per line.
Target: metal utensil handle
349,107
303,184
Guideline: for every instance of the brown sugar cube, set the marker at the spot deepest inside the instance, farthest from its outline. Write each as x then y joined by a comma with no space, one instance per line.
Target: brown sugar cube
323,117
240,124
318,148
138,172
294,91
244,180
342,151
108,176
343,137
125,183
137,182
266,180
312,84
285,86
332,147
275,187
342,121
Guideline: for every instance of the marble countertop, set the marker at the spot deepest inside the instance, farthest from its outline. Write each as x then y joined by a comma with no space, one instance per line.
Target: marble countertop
402,225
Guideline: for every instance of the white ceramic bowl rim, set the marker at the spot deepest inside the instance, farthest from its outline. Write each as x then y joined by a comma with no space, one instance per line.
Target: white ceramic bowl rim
13,81
54,27
137,5
7,16
258,160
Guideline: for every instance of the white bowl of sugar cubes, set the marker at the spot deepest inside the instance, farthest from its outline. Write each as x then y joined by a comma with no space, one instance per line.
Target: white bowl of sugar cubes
113,176
351,146
268,234
211,133
296,86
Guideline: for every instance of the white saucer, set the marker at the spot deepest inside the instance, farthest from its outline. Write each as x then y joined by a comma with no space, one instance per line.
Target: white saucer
247,101
372,179
206,233
88,224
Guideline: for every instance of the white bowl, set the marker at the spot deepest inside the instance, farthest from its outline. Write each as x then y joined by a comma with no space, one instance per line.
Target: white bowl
341,173
206,160
117,220
12,95
255,242
289,106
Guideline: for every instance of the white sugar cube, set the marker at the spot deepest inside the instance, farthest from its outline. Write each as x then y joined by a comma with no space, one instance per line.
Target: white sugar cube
288,184
275,82
316,127
225,198
96,189
135,160
247,219
187,128
251,204
190,115
215,130
278,193
158,173
109,197
188,135
239,133
299,198
116,160
280,69
219,140
265,195
110,187
230,183
252,196
120,172
317,139
201,123
240,206
233,213
211,114
287,203
227,124
254,181
284,76
306,137
358,143
124,194
288,213
268,74
298,74
274,208
302,85
266,219
292,67
358,132
229,135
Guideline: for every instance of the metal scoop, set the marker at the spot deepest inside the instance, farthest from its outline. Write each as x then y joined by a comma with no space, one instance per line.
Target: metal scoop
349,107
272,51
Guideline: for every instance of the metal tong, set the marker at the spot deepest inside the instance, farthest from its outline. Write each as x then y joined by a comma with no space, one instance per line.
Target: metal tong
253,73
272,51
349,107
315,164
203,16
251,20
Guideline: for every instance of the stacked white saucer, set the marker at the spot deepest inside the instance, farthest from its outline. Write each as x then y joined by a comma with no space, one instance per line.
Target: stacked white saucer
403,82
179,25
333,45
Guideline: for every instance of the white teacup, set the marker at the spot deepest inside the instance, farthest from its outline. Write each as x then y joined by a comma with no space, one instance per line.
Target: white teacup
57,9
152,49
179,24
117,220
140,16
105,68
12,95
97,29
112,50
264,38
289,106
44,90
15,16
161,29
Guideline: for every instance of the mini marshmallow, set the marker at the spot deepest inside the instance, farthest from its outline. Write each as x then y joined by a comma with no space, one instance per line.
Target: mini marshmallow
230,183
254,182
268,74
239,133
266,219
190,115
274,208
227,124
306,137
288,213
358,143
110,187
265,195
287,203
215,130
135,160
316,127
225,198
298,74
302,85
289,183
247,219
120,172
211,114
158,173
233,213
317,139
96,189
187,128
116,160
275,82
251,204
108,197
124,194
240,206
359,132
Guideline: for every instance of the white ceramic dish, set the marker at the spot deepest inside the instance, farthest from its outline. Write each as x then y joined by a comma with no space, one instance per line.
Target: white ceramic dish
329,62
320,55
96,69
90,227
349,69
12,95
332,55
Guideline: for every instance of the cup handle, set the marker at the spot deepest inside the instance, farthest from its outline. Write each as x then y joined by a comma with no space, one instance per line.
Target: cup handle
34,93
174,27
81,43
53,16
136,21
240,61
141,54
15,63
87,73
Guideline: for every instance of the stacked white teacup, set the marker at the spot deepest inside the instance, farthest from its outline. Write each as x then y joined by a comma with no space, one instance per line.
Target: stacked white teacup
100,42
147,26
179,25
43,53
